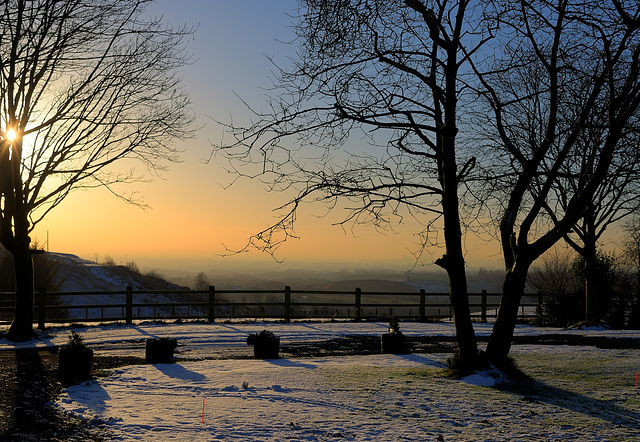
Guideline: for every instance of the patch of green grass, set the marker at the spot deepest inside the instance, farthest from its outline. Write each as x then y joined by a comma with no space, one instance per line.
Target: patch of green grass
100,373
419,373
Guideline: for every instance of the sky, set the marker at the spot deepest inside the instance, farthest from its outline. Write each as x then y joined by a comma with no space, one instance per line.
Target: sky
192,217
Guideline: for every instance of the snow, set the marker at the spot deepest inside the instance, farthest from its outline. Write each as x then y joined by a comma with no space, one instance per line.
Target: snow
81,279
78,274
198,336
583,393
243,400
486,378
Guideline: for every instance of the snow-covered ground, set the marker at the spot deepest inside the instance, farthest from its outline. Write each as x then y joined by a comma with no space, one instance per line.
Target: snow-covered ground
582,393
193,336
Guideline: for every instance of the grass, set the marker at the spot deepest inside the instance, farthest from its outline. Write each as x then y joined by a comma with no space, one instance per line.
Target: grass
575,393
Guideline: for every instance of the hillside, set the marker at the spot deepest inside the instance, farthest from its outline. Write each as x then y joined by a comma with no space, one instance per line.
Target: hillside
73,273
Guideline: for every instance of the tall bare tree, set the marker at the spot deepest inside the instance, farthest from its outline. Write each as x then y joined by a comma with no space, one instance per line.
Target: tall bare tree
616,198
561,65
631,254
389,73
84,85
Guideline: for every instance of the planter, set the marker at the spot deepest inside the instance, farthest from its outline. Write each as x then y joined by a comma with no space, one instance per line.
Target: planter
160,351
393,343
267,349
74,365
266,345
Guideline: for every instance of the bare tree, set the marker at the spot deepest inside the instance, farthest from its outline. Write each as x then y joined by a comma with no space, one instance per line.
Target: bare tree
616,198
201,282
562,65
85,84
631,254
389,73
554,274
553,277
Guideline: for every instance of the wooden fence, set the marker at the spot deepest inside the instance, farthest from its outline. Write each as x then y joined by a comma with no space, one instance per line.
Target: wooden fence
287,304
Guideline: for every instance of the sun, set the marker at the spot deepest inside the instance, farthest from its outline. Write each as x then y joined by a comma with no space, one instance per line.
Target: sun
11,135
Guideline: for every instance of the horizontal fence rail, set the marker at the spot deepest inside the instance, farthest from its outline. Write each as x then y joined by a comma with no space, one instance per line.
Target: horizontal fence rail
286,304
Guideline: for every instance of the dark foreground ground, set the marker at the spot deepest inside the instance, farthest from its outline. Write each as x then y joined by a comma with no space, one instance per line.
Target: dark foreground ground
29,380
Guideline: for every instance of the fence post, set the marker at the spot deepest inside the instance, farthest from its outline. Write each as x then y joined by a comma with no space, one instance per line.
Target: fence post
423,312
358,313
42,302
212,300
287,303
484,306
129,311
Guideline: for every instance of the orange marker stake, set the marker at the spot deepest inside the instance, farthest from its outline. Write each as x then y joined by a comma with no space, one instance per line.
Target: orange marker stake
203,403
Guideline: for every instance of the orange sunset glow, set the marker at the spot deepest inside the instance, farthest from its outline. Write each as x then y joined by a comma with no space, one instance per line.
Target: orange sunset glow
192,218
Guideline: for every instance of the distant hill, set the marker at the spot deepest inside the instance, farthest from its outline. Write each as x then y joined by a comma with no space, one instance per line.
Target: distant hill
372,285
72,273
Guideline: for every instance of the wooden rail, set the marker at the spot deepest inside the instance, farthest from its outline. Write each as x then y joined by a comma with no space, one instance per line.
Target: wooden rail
286,304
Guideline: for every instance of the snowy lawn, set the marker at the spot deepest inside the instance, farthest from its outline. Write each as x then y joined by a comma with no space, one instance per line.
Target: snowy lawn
194,337
581,393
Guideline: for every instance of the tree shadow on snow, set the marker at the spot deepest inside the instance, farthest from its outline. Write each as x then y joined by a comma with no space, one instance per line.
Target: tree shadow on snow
538,391
290,363
422,359
90,395
179,372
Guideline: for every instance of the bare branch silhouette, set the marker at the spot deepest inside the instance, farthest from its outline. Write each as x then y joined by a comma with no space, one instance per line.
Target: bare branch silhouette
86,86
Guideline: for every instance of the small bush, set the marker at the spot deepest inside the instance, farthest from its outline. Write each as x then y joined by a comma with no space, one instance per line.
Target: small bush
264,335
108,261
154,274
75,342
133,267
394,325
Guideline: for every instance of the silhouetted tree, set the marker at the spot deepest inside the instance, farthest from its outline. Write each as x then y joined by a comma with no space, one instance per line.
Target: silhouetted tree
631,254
561,66
617,197
84,85
201,282
560,279
390,73
553,277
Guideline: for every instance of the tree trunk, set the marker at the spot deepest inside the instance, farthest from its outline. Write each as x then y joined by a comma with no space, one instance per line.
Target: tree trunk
512,291
448,174
465,334
22,325
453,262
591,267
591,282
